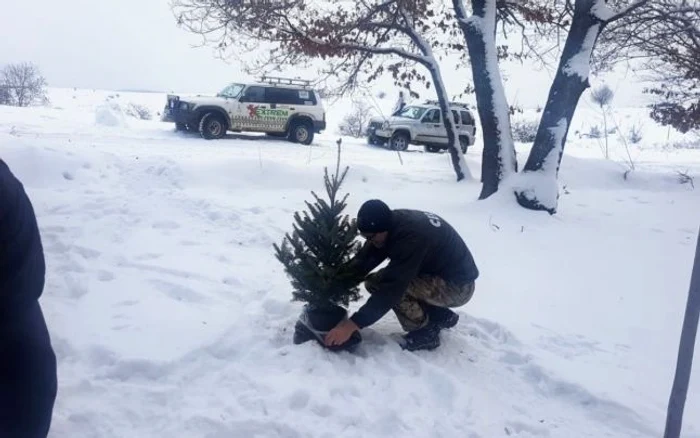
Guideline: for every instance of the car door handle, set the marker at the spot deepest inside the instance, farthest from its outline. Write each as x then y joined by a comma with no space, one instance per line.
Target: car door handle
292,109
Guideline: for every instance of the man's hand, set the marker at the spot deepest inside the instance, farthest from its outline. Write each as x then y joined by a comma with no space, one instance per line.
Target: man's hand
341,332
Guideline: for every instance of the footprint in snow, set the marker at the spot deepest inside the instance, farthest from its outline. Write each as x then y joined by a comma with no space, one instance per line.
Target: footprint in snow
231,281
514,358
148,256
517,428
69,176
299,399
177,291
166,225
105,276
86,252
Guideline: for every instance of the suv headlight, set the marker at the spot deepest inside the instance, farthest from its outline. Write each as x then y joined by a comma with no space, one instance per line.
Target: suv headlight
385,125
184,106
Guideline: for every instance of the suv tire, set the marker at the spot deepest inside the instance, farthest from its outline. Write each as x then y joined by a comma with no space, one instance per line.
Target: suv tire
212,126
399,141
301,132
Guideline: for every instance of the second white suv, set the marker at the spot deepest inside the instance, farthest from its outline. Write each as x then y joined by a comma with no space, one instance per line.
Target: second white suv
422,124
279,107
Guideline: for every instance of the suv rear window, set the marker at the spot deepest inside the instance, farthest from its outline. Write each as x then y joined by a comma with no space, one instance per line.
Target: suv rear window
467,118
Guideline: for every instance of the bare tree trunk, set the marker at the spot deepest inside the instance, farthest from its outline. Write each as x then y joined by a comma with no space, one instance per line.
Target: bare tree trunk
458,162
498,157
605,127
684,363
539,177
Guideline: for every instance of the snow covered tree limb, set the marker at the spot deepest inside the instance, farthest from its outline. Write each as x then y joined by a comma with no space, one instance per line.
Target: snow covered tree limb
624,11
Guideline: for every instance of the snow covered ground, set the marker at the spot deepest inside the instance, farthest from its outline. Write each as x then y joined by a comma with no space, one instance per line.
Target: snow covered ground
171,317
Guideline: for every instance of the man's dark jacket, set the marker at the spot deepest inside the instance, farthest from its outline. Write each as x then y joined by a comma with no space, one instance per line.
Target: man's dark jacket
28,379
22,266
418,243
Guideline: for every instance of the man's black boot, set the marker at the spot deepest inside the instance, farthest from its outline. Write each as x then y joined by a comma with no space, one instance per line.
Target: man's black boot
426,338
442,316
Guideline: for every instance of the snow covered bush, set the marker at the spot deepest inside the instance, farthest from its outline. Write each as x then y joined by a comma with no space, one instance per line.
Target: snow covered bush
110,113
355,123
138,111
22,85
524,131
635,134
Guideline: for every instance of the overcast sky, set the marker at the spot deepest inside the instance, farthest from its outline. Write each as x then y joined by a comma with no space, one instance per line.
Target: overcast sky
136,44
112,44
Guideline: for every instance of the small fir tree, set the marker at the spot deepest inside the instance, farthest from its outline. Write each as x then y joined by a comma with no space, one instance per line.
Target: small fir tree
315,255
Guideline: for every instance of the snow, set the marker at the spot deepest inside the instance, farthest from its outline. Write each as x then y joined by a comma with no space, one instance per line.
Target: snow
171,317
579,64
602,11
110,114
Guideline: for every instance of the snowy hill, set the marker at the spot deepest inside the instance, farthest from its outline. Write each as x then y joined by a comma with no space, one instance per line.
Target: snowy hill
171,317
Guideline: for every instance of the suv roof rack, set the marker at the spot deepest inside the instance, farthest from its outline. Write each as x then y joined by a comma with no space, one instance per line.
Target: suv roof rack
276,80
435,102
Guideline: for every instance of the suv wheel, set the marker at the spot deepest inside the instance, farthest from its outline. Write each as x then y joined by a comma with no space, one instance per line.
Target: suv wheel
212,126
399,141
301,132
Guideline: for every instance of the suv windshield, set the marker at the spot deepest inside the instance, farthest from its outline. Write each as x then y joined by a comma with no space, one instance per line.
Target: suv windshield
231,91
412,112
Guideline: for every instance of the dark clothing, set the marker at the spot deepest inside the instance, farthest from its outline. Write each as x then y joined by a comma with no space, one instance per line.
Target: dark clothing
28,383
27,362
22,266
418,243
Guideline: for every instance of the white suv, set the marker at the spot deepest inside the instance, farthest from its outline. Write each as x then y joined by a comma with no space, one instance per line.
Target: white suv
279,107
422,125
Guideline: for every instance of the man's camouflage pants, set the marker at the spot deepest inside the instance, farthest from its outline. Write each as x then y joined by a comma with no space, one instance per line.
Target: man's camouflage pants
423,289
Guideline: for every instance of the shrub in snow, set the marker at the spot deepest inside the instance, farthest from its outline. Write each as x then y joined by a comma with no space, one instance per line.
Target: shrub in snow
315,257
110,114
635,134
602,95
355,123
22,85
685,144
138,111
594,132
524,131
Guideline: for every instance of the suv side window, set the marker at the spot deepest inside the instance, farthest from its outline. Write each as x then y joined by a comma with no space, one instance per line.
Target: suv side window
254,94
432,116
467,118
289,96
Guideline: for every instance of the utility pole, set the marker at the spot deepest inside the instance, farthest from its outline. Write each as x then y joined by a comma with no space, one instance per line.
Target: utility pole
679,391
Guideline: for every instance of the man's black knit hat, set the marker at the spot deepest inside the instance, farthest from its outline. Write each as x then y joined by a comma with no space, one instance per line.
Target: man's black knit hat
374,217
